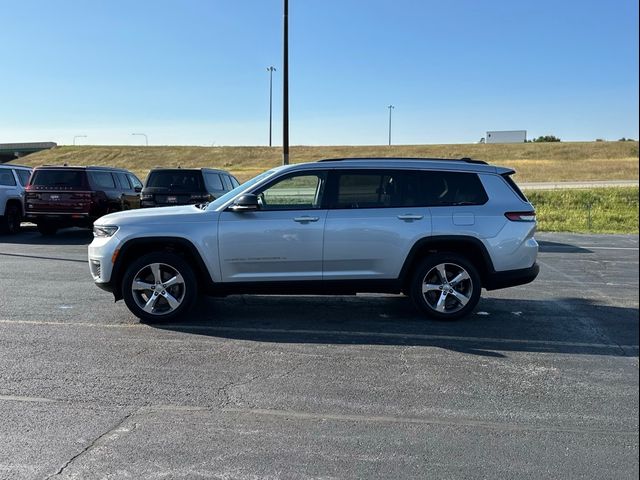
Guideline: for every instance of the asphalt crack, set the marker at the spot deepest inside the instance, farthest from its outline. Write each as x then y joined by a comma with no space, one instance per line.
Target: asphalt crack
94,443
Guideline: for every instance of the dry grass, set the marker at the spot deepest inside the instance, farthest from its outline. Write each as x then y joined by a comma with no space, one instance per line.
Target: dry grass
534,162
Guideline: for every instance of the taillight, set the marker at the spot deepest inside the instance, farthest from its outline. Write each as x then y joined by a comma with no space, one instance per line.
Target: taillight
521,216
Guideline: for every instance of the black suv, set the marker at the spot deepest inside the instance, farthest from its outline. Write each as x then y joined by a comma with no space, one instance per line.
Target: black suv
185,186
63,196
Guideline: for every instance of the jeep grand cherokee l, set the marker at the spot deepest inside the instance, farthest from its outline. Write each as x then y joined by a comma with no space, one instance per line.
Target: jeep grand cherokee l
63,196
13,179
436,230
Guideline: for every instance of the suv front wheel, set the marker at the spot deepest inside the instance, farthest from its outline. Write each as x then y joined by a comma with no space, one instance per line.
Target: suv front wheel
446,286
159,286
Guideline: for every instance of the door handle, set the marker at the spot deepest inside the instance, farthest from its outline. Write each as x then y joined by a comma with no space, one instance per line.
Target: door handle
306,219
409,216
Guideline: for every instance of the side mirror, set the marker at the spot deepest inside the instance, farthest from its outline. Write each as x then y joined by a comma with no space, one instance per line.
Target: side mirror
137,189
245,203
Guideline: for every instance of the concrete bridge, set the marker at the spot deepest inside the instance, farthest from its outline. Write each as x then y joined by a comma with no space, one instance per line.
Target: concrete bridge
11,151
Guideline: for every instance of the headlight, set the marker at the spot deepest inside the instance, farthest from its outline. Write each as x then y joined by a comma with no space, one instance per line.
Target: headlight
104,230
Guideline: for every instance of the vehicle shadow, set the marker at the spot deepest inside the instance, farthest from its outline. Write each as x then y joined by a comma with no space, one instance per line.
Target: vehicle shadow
29,235
557,247
569,325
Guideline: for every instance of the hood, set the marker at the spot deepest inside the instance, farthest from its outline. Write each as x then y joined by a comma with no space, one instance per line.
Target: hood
186,213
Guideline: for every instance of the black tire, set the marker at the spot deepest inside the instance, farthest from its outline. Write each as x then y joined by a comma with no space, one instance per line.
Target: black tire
446,299
10,222
47,229
165,302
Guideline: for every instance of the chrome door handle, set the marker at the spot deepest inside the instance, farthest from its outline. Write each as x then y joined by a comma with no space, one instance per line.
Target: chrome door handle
409,216
306,219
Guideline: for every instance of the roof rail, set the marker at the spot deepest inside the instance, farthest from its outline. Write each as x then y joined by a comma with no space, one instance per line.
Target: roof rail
464,159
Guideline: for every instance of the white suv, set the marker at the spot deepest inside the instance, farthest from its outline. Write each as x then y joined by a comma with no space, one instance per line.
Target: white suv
13,179
436,230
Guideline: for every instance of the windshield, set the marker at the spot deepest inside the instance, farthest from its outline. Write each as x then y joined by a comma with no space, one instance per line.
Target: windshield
229,195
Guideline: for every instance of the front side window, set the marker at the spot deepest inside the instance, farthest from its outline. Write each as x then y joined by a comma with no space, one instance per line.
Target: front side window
134,181
296,192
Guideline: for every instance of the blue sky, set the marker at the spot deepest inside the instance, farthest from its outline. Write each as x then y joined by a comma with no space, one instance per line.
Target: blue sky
194,72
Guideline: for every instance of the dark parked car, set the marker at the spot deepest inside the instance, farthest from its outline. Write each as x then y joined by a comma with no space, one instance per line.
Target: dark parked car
184,186
62,196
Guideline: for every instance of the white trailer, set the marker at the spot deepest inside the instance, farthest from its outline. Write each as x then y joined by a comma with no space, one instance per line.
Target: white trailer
506,136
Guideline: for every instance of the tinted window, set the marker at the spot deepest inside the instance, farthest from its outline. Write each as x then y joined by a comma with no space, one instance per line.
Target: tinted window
134,181
7,178
234,182
23,175
58,178
176,180
227,182
368,190
124,182
444,189
298,192
213,182
101,180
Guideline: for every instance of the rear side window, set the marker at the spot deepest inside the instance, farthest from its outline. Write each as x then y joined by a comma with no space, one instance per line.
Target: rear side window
398,188
514,187
123,181
234,182
437,189
7,179
368,190
227,182
176,180
58,178
213,182
23,176
101,180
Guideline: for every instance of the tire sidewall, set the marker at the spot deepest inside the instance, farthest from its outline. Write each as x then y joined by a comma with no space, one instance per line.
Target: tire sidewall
425,266
176,262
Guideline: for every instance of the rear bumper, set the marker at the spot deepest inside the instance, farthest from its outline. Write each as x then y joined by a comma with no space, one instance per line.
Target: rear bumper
511,278
61,218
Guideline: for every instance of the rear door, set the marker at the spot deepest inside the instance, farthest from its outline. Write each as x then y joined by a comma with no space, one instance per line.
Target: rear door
374,219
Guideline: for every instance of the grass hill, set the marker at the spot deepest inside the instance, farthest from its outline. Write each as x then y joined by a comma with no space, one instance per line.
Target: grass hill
534,162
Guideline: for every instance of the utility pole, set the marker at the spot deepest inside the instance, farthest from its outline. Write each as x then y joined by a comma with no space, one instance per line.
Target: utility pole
285,87
270,69
390,107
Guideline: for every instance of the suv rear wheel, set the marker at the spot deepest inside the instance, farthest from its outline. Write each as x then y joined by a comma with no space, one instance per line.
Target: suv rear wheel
10,222
159,287
446,286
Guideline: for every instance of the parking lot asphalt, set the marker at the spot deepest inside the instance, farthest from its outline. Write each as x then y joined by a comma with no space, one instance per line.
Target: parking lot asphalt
540,382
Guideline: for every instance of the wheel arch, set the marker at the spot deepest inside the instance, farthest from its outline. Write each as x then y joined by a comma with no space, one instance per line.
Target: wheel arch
471,247
176,245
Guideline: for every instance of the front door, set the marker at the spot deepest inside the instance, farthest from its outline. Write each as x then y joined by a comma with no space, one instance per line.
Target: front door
282,241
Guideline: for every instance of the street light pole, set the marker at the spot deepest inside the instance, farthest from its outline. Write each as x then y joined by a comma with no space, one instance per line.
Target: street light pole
285,87
146,139
78,136
270,70
390,107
